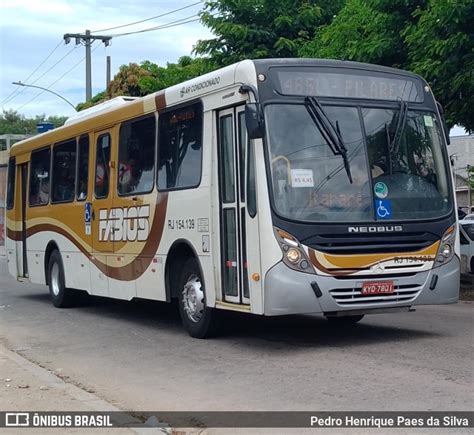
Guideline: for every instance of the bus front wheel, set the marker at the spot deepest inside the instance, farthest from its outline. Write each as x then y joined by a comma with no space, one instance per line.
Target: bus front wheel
199,320
61,296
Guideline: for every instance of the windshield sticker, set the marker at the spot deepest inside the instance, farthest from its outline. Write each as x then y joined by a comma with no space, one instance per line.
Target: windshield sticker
302,178
428,120
381,190
383,208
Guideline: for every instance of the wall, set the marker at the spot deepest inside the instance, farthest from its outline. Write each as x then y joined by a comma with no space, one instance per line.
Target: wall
461,152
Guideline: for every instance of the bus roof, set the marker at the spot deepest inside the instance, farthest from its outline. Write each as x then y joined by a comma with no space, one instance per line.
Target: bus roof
261,64
107,114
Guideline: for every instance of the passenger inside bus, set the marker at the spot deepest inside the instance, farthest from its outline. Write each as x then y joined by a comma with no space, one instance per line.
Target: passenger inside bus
65,190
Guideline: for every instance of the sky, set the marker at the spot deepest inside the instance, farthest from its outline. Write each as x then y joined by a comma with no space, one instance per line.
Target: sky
31,29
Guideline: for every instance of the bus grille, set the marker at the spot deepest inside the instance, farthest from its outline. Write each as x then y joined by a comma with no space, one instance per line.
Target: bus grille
338,244
353,296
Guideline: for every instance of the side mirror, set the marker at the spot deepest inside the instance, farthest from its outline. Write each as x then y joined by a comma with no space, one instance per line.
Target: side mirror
443,120
254,120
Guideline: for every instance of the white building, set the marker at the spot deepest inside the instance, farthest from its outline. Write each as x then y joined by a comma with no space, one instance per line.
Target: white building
461,152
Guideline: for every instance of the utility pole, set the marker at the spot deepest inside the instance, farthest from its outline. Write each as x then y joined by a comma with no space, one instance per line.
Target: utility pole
107,73
87,39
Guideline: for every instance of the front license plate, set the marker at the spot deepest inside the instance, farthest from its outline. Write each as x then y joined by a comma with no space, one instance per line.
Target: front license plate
377,288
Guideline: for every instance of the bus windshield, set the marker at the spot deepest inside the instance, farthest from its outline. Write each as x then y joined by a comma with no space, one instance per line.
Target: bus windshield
395,156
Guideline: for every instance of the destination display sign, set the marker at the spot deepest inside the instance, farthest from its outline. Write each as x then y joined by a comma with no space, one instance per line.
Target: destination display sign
348,84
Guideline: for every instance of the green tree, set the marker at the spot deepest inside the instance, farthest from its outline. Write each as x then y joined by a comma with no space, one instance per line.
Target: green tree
137,80
441,49
433,38
160,78
97,98
366,31
261,28
12,122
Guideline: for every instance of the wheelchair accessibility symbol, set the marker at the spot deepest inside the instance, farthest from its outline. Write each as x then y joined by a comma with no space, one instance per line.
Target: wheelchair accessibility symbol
87,212
383,208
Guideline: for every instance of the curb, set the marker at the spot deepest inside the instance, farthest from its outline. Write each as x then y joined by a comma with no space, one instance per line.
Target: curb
93,402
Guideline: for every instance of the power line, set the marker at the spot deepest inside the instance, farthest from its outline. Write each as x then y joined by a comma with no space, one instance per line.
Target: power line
19,91
180,22
148,19
44,73
57,80
186,20
57,63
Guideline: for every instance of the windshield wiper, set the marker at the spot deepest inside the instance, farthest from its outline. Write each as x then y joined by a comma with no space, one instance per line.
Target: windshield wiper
388,148
331,134
402,117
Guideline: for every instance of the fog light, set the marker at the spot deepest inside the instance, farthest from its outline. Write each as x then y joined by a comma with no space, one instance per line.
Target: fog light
446,251
293,255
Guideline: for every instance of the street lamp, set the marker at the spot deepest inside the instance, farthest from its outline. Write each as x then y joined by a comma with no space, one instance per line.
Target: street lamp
47,90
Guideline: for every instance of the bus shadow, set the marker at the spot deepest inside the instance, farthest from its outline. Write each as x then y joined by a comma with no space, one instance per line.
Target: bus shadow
249,331
315,331
139,311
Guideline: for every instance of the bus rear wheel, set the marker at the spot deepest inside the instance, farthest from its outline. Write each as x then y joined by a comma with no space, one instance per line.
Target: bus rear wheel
344,320
61,296
199,320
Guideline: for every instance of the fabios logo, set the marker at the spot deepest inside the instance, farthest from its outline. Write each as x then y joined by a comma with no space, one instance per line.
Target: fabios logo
128,224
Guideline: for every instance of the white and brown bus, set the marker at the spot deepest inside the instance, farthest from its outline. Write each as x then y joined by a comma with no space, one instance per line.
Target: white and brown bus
270,187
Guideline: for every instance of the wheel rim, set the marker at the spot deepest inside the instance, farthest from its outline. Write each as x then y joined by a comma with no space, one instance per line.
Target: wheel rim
55,279
193,299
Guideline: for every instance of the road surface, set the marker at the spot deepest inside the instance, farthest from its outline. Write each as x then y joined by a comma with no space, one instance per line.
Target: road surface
137,357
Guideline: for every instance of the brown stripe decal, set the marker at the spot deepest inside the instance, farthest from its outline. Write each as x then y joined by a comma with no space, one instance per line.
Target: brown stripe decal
139,264
350,264
319,266
160,101
14,235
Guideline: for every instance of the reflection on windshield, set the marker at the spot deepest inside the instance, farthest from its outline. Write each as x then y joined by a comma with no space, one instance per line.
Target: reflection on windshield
410,175
407,177
309,181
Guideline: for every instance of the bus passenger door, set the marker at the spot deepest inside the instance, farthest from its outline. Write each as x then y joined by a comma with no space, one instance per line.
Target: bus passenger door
20,216
239,236
102,221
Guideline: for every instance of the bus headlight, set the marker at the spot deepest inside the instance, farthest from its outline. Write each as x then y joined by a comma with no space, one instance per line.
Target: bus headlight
447,250
294,255
446,247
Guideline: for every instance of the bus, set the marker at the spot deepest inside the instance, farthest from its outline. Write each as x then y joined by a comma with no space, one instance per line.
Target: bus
271,187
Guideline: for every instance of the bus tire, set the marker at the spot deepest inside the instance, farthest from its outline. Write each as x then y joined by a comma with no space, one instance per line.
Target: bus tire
198,320
345,320
61,296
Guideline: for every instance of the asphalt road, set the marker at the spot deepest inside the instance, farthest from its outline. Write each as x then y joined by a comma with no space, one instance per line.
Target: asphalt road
136,356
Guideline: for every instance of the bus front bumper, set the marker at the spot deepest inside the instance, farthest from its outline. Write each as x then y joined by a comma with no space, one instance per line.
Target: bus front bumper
290,292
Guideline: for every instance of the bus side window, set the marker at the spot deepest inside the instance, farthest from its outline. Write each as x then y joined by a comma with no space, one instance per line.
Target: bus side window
39,177
102,160
11,183
64,171
82,168
136,156
180,148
